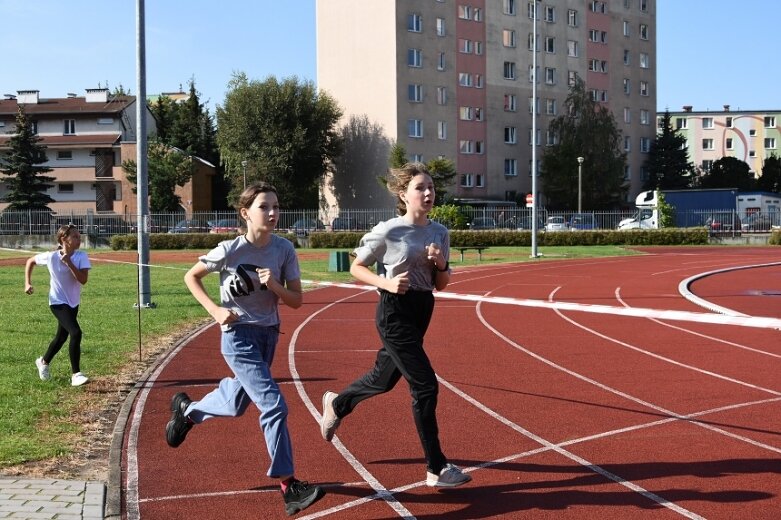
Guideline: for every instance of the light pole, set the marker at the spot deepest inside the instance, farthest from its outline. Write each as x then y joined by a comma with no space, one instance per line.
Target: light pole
244,166
580,184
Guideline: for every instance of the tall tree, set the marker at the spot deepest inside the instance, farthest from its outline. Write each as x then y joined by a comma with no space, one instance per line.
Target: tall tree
193,128
26,182
585,129
729,172
286,131
168,168
398,156
166,111
668,160
770,180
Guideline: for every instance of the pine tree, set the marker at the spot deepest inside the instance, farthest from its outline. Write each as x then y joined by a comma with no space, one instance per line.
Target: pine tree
668,160
770,180
26,182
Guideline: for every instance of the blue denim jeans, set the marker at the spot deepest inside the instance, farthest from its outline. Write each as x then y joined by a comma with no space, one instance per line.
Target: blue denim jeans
249,352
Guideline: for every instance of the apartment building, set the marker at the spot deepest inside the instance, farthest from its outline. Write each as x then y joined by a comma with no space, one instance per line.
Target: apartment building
748,135
87,138
453,78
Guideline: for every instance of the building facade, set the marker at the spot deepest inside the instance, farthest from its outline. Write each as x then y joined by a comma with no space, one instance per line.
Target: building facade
748,135
453,78
87,139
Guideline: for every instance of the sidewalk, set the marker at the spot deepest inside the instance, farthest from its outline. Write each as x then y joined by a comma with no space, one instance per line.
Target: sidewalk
51,498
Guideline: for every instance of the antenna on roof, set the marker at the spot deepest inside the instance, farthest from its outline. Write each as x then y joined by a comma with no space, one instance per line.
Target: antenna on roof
9,96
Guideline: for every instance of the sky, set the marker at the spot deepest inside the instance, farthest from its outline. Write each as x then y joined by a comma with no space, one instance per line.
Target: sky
709,52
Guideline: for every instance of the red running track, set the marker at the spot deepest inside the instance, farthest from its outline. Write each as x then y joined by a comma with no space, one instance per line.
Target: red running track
555,413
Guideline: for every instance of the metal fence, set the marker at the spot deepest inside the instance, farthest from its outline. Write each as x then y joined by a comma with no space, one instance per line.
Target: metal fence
305,221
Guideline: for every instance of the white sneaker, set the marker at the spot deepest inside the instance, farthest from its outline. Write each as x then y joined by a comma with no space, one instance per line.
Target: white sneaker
450,476
329,421
43,369
78,379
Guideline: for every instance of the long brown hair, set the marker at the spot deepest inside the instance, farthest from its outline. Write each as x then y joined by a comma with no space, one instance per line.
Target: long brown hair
399,179
250,192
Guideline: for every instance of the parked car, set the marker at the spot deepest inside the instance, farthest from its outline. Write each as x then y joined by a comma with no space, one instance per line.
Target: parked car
722,222
761,221
526,223
582,221
343,224
229,225
482,223
190,226
556,223
304,226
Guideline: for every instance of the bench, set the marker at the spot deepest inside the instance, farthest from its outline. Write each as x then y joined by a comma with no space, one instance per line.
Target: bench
479,249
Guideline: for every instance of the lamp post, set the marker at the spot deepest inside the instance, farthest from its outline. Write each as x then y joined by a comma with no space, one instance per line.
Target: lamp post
580,184
244,167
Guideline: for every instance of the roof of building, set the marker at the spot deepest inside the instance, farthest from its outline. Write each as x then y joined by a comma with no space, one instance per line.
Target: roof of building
65,141
68,105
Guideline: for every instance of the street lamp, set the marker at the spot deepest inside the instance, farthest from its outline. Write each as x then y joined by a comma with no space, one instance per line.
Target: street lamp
580,183
244,166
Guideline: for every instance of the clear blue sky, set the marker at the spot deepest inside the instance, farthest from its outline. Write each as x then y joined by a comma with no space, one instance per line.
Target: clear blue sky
709,52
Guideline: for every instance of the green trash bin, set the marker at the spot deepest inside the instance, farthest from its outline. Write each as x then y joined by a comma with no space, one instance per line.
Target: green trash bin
339,261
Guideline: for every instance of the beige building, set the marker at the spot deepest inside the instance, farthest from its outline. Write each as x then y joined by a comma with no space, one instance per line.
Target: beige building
453,78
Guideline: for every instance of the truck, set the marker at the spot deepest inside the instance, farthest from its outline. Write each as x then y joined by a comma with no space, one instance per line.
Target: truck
715,208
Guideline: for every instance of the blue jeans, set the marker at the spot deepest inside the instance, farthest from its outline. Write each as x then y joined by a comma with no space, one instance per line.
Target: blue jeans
249,352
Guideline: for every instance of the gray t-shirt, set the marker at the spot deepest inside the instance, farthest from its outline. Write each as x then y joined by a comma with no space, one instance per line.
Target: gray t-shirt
397,246
240,287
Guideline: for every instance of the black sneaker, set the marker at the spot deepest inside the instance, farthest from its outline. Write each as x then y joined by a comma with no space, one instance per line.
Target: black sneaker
177,428
300,495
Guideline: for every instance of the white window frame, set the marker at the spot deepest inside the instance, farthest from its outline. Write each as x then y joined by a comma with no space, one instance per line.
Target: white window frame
510,103
415,128
441,95
510,167
572,48
645,60
645,144
707,123
645,116
572,18
441,27
707,144
414,22
442,130
65,155
508,38
729,143
770,143
415,58
510,135
509,7
509,71
415,93
770,121
69,127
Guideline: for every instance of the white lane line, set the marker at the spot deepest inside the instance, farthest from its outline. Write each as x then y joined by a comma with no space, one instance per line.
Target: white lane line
698,334
698,317
662,358
375,484
683,288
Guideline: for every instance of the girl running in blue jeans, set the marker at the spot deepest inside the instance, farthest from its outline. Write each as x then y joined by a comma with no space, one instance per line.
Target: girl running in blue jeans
411,253
256,271
68,271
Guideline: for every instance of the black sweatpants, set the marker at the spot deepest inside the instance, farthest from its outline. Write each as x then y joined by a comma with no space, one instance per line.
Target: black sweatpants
402,321
67,325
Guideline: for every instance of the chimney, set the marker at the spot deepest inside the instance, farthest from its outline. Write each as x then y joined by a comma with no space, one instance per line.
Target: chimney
687,108
29,97
726,108
71,95
97,95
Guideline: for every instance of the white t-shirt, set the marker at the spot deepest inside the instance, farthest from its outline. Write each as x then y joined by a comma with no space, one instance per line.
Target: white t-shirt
63,286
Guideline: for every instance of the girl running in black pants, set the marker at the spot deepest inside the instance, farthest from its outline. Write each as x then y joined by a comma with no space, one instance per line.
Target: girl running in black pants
68,271
411,252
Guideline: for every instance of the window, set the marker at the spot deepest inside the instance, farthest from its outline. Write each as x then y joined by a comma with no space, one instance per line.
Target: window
572,77
65,187
415,93
478,80
643,88
643,31
707,144
707,165
627,115
627,86
478,114
598,7
752,153
627,172
537,141
550,14
510,135
466,146
550,45
510,103
416,157
465,12
508,38
441,95
530,41
466,180
572,48
572,18
441,61
442,130
415,128
728,143
414,58
69,127
509,7
464,46
465,79
550,107
511,167
627,143
531,104
770,121
627,57
478,48
414,23
550,75
644,61
105,121
551,139
681,123
645,144
64,155
466,113
479,181
707,122
728,122
770,143
597,36
645,117
479,147
509,70
531,10
626,28
644,5
440,26
597,65
752,133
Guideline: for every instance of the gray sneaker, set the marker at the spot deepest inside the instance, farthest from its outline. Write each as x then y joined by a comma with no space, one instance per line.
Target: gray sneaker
329,422
450,476
43,369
